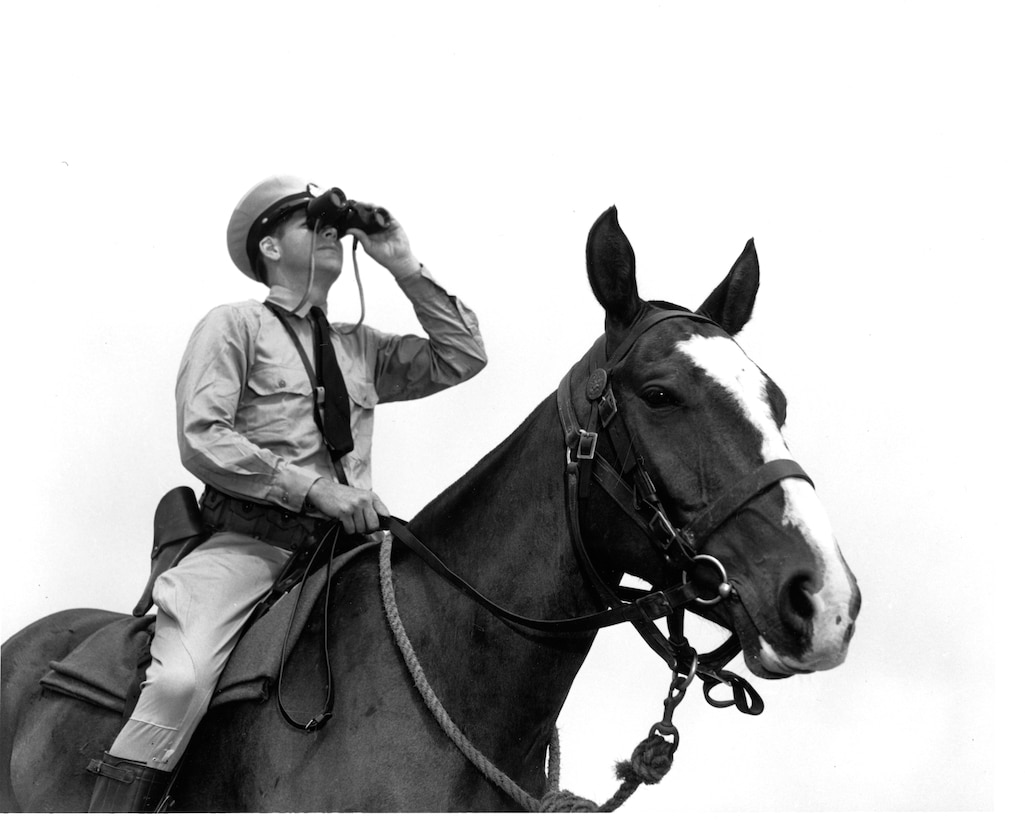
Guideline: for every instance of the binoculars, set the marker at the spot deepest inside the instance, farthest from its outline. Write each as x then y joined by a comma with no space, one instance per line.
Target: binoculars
333,209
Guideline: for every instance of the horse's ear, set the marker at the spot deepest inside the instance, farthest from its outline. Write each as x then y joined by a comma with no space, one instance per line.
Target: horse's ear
733,300
611,270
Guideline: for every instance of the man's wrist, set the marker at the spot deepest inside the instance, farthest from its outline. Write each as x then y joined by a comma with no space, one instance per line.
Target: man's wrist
406,268
312,493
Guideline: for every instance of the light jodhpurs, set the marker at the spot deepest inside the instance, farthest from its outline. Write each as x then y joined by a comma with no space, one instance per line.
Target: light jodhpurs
202,605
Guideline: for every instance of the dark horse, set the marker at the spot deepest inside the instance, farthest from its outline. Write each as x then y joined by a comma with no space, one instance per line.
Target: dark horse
698,416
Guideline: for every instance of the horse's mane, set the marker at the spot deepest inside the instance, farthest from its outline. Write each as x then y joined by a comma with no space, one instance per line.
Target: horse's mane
457,504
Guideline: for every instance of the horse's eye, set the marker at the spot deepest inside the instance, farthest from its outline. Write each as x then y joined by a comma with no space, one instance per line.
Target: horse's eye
657,397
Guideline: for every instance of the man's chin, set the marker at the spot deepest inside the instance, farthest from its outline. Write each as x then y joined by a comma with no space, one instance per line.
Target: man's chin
329,264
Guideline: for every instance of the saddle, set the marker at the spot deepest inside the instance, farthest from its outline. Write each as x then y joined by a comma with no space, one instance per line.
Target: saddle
107,668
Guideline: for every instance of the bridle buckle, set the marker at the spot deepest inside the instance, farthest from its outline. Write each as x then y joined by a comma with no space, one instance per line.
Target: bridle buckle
607,408
655,605
587,445
663,533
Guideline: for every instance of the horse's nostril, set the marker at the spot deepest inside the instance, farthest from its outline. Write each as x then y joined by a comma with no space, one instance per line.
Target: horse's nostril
798,606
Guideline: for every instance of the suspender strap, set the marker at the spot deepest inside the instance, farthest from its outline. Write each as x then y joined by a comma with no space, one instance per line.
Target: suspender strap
318,389
281,314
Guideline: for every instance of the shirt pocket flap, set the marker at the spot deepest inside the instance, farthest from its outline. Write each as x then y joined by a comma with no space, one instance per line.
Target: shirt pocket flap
268,380
362,394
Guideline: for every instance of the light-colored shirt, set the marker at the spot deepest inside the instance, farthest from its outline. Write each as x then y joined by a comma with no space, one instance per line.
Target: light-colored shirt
245,402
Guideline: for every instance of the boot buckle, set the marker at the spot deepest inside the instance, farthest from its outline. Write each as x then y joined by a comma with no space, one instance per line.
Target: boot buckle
113,772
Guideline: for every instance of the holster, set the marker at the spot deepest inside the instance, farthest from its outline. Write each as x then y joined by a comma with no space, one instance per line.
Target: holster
177,530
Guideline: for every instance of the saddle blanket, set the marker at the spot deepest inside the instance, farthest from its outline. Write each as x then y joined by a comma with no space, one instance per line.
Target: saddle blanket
103,669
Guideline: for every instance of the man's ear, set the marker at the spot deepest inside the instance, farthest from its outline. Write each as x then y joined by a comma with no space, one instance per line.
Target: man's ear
269,248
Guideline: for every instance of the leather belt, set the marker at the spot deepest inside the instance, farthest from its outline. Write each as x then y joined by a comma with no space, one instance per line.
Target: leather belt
265,522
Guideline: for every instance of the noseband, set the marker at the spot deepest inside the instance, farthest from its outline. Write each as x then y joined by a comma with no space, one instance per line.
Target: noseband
627,482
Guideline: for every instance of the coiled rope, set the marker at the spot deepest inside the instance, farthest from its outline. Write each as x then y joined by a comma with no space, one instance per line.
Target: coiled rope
649,763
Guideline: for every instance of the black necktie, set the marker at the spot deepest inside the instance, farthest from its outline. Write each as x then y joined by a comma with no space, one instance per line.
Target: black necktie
336,429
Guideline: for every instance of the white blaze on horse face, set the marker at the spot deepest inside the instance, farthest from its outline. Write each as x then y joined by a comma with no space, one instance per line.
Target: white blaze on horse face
725,362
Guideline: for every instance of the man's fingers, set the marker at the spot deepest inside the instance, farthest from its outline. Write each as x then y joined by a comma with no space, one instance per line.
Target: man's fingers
361,513
365,519
347,523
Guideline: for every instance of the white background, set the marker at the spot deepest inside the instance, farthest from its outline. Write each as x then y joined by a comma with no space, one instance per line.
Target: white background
874,152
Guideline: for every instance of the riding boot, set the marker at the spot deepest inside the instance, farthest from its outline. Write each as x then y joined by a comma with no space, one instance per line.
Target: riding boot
127,786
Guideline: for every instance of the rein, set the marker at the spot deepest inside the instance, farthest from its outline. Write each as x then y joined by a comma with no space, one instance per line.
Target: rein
649,763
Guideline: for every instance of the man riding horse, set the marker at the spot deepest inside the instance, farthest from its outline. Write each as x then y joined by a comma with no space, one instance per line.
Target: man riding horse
275,415
661,457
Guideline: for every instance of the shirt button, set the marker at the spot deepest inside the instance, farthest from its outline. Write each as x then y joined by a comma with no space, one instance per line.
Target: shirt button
281,383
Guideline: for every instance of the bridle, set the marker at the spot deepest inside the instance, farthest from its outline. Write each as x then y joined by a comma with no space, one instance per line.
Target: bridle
629,484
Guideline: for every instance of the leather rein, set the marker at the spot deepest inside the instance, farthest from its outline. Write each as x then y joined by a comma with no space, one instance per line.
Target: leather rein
631,487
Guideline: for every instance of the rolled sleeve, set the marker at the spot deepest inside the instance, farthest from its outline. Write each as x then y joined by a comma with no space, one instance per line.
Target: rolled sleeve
410,367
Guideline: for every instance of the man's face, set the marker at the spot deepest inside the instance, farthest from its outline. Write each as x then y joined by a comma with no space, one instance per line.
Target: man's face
294,240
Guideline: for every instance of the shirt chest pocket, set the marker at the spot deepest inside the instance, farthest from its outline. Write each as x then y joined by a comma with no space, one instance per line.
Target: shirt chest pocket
271,380
361,394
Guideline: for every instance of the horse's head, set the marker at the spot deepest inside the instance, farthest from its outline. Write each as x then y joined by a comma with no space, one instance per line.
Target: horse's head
701,418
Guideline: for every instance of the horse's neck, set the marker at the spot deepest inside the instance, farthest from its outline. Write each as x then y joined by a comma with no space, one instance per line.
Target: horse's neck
504,528
506,520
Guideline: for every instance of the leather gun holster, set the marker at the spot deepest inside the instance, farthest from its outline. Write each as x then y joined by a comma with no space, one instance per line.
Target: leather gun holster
177,530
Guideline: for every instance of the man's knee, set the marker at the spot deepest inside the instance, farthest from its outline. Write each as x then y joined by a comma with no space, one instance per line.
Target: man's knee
179,689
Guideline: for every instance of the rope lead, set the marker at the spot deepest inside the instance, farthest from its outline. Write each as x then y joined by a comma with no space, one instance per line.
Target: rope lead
649,763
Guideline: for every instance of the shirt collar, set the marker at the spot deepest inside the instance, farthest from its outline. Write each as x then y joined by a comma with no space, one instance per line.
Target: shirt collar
286,298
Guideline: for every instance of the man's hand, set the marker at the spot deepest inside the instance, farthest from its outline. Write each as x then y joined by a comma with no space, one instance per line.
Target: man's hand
358,510
389,248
